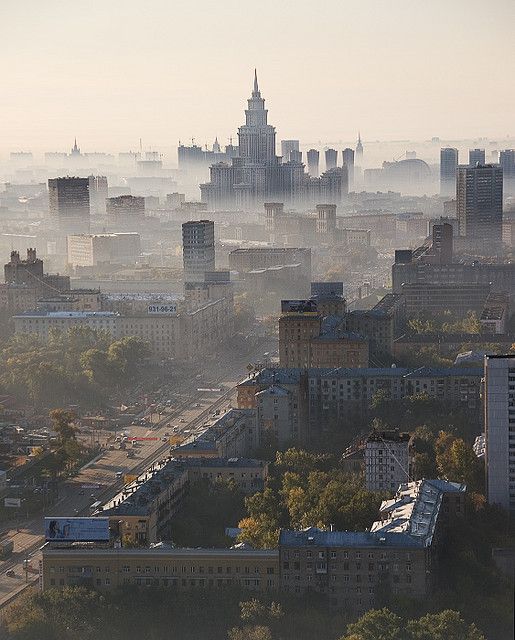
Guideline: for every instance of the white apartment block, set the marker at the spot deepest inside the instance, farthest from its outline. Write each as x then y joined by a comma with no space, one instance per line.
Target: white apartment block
500,430
387,460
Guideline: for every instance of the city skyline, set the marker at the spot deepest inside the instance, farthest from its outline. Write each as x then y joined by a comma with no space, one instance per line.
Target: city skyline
346,68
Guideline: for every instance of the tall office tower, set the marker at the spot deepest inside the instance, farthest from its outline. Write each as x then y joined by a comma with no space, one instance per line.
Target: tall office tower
198,249
295,156
479,192
475,156
507,162
98,192
359,152
287,146
69,197
313,163
500,430
348,160
331,159
448,165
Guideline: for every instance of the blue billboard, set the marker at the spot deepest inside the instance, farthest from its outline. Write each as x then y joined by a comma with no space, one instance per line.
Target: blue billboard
77,529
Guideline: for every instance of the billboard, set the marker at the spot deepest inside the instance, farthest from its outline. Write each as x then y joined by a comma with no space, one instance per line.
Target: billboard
298,306
162,309
12,502
77,529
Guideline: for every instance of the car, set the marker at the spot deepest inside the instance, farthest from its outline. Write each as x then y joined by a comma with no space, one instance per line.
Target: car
119,474
182,420
10,573
167,433
111,447
164,439
197,405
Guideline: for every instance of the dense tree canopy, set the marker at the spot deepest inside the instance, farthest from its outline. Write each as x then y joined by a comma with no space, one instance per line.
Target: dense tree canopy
307,489
79,366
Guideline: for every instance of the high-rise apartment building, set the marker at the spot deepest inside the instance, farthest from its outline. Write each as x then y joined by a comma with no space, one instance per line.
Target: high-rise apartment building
331,159
500,430
476,156
448,166
313,163
507,162
198,247
287,146
98,191
348,161
69,197
479,197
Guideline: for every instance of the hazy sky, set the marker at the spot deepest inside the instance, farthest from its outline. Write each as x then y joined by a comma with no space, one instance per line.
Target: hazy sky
110,71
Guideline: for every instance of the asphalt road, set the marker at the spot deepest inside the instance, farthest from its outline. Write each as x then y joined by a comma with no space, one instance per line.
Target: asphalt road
75,500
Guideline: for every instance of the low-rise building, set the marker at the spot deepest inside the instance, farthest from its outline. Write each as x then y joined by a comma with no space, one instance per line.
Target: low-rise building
307,339
143,511
495,314
172,330
91,250
233,435
324,397
108,569
398,555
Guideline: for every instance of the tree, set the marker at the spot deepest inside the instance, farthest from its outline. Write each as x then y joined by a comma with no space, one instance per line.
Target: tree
127,354
456,461
260,532
376,624
62,424
446,625
256,632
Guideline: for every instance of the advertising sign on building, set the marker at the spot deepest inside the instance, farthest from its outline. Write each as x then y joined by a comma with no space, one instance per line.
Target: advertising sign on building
12,502
77,529
298,306
162,309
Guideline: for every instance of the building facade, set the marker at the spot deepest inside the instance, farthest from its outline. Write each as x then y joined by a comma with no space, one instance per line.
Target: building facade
198,249
500,430
448,166
479,202
387,460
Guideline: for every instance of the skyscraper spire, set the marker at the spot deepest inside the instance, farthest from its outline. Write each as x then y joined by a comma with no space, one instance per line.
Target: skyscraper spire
256,86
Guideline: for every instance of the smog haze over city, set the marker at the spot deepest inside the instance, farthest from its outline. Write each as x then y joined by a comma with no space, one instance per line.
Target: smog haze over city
257,320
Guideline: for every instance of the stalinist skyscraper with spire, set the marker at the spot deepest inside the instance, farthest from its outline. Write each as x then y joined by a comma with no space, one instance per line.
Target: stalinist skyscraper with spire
258,175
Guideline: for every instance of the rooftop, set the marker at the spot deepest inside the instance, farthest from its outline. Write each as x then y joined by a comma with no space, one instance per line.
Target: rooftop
408,520
95,550
284,376
137,497
66,314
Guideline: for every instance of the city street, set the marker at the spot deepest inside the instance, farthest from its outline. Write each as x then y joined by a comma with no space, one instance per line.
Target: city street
97,481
